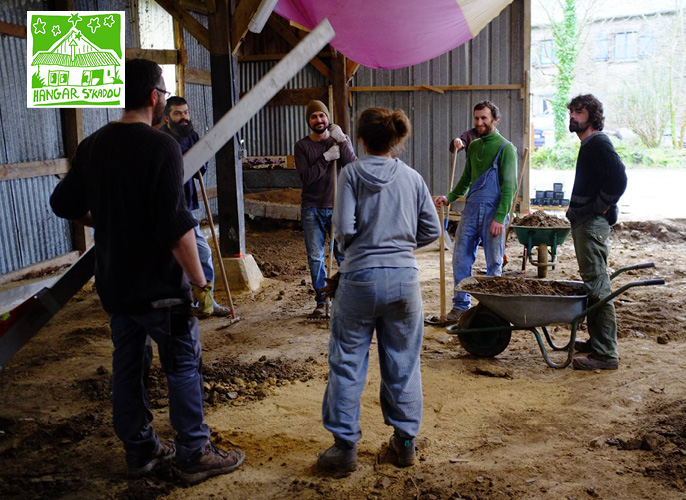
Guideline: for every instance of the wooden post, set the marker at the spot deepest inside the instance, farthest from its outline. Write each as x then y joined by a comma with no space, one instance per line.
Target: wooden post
339,82
180,46
72,134
224,96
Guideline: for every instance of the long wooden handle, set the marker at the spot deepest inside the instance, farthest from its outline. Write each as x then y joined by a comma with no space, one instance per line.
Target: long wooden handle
215,240
519,185
331,238
452,171
441,242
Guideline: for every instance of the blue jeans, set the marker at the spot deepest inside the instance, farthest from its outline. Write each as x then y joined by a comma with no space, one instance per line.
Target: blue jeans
389,301
205,256
175,331
316,226
475,227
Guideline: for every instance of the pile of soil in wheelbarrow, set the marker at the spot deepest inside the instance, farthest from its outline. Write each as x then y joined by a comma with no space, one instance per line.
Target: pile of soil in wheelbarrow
521,286
541,219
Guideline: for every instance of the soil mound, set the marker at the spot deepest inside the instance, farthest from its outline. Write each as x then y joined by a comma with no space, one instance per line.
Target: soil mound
541,219
521,286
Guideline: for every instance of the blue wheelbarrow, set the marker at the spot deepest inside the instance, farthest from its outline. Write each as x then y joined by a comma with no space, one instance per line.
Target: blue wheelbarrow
485,330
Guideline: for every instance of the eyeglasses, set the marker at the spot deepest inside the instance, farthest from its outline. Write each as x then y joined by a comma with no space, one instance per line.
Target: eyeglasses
166,93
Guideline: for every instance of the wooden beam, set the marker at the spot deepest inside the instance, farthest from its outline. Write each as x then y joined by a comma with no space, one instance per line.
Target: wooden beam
40,268
198,6
297,97
189,23
198,76
159,56
180,46
412,88
351,68
26,170
239,21
438,90
229,172
339,86
16,30
273,57
285,32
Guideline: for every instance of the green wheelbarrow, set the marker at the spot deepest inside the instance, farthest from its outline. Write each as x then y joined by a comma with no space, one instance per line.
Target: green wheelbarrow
485,330
547,240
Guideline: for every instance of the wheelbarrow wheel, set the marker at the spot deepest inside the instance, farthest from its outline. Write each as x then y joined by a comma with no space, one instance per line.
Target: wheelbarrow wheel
485,345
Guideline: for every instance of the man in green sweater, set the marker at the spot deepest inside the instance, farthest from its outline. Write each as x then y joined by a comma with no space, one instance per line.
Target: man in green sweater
489,180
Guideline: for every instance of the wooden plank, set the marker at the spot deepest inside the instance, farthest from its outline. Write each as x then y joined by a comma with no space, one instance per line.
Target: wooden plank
40,268
285,32
239,21
433,88
351,68
159,56
180,46
197,76
412,88
16,30
298,96
273,57
29,169
339,87
190,24
198,6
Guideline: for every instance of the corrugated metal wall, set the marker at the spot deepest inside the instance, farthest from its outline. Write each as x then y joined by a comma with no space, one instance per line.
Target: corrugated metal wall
29,231
492,58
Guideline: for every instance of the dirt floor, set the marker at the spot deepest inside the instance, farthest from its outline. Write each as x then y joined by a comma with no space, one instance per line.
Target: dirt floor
494,428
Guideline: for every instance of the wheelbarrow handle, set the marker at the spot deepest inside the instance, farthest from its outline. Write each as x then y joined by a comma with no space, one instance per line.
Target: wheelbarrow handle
619,291
645,265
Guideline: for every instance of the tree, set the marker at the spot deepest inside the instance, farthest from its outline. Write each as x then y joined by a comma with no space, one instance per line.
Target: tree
565,40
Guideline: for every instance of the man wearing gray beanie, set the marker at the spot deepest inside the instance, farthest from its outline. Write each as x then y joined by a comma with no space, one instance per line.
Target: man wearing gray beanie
314,161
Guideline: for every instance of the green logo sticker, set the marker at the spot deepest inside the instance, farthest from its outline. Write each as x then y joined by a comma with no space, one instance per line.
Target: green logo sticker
75,59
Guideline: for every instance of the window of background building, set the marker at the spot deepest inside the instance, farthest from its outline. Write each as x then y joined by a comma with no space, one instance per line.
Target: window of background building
625,46
646,45
546,53
602,48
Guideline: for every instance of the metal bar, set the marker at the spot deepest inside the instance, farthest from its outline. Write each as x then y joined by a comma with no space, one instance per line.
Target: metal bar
631,268
544,351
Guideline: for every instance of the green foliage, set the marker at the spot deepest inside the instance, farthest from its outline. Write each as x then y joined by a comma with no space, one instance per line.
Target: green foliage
565,38
633,155
116,78
37,82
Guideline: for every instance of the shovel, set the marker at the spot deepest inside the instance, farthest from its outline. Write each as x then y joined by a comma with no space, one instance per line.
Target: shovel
215,240
440,320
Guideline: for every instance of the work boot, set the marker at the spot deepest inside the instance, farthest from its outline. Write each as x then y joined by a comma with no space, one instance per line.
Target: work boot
212,462
583,346
340,458
454,315
318,313
591,363
403,449
221,311
165,452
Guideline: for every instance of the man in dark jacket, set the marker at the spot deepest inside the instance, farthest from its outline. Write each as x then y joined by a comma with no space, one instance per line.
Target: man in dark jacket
314,160
126,182
599,183
178,124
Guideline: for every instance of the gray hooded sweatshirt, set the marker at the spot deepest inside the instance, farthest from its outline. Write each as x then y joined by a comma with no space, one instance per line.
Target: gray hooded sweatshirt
383,212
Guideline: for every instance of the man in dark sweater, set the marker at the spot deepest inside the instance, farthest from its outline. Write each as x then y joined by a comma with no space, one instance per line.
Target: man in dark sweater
178,124
126,182
599,183
489,181
314,160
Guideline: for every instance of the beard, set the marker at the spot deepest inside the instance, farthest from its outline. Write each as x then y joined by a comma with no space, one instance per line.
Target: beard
319,128
158,113
575,126
182,128
485,131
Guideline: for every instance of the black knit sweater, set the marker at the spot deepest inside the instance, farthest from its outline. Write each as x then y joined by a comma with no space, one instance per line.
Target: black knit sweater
599,183
130,177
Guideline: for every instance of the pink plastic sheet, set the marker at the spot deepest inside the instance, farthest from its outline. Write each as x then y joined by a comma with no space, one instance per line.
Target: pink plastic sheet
395,33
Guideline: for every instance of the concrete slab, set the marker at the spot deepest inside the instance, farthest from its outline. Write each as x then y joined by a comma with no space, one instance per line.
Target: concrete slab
243,275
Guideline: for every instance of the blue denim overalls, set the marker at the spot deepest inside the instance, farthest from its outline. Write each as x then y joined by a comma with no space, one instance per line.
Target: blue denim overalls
475,226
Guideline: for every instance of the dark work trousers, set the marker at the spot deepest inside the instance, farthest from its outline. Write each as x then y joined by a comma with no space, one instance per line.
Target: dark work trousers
592,247
176,333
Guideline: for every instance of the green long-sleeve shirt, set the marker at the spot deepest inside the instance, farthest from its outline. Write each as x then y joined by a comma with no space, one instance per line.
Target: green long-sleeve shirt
480,157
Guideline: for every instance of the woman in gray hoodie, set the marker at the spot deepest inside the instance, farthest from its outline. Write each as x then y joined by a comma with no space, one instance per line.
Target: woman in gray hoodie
383,212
